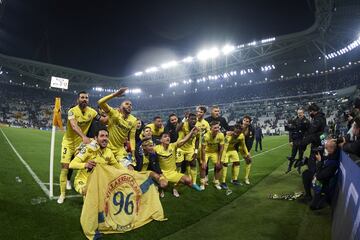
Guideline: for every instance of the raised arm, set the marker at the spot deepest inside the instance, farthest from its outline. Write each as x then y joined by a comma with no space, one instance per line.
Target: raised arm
187,137
103,101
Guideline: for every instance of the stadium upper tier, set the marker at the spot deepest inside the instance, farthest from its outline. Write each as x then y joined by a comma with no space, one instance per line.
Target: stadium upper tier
332,41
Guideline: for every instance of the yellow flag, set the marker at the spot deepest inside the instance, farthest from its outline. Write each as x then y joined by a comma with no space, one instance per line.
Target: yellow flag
118,200
57,121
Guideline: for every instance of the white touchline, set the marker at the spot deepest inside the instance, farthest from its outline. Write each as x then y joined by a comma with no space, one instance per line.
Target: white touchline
211,170
32,173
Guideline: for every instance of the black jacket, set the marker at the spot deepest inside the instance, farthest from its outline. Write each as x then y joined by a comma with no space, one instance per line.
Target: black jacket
327,168
316,129
299,129
224,126
153,162
352,147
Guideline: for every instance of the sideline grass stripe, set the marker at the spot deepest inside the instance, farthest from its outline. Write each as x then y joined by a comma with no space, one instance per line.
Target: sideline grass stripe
32,173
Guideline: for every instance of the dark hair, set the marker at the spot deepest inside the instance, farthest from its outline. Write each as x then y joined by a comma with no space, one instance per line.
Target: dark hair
157,117
102,128
213,123
82,92
357,103
247,117
146,127
357,121
215,106
202,108
171,115
238,126
164,133
313,107
191,115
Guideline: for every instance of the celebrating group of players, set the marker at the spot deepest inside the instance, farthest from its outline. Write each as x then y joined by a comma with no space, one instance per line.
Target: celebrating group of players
172,154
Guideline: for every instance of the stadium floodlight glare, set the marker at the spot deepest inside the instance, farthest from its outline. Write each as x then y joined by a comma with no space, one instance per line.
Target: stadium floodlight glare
173,84
188,59
133,91
151,69
228,49
268,40
138,73
252,43
169,64
208,54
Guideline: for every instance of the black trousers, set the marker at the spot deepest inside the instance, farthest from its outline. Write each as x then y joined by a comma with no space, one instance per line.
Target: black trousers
319,199
258,142
297,147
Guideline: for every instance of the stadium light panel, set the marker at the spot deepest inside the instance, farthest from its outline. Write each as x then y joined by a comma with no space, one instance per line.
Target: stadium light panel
169,64
151,70
228,49
208,54
138,73
188,59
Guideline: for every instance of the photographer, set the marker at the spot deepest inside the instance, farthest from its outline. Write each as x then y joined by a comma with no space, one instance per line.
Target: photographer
297,129
324,180
352,146
312,135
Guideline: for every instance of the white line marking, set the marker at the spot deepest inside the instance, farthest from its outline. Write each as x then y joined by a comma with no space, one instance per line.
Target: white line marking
230,164
32,173
68,196
46,183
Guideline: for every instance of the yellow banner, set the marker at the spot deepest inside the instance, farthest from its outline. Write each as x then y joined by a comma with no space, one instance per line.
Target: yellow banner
118,201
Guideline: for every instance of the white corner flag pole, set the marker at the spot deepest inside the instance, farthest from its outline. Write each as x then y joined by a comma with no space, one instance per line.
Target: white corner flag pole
51,177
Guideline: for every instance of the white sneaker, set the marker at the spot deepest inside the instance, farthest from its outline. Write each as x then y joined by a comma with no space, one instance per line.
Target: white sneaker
176,193
217,186
162,194
61,199
202,187
247,182
68,185
206,180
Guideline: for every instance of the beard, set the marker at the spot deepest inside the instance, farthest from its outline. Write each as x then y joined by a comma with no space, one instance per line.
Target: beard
83,105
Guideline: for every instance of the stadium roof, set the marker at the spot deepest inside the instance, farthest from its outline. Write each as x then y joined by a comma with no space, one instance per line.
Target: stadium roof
336,26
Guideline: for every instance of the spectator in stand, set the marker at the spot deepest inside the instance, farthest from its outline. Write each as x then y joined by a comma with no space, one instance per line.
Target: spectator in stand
258,137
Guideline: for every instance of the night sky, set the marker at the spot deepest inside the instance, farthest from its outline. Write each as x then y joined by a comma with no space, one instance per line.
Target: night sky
118,38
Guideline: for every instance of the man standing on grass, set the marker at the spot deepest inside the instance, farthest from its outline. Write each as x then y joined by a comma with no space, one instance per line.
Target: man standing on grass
212,149
233,139
249,132
122,125
258,137
79,120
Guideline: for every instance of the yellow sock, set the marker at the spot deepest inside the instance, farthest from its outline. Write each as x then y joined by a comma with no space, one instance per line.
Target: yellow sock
188,170
63,179
223,174
235,172
247,170
193,174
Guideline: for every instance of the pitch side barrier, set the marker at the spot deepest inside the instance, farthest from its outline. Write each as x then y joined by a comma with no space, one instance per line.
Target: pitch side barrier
346,215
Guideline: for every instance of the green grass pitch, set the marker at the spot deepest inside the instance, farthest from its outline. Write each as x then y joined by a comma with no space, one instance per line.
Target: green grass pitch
211,214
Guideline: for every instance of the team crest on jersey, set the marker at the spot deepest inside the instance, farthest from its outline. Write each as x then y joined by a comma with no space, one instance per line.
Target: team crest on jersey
122,201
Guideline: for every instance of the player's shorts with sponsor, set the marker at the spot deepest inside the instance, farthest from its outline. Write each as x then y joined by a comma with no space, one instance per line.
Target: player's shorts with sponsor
213,157
173,176
80,186
182,155
232,156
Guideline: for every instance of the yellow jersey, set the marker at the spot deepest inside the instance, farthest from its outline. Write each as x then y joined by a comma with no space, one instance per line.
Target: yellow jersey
83,120
212,144
203,125
145,163
121,129
231,141
190,144
167,157
155,132
92,151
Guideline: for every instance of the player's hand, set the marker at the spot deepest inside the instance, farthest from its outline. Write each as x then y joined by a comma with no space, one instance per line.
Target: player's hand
120,92
90,165
131,167
163,183
86,140
248,159
318,156
194,130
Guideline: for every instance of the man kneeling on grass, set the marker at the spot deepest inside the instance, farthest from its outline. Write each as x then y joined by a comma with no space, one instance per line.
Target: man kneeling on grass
166,153
96,152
